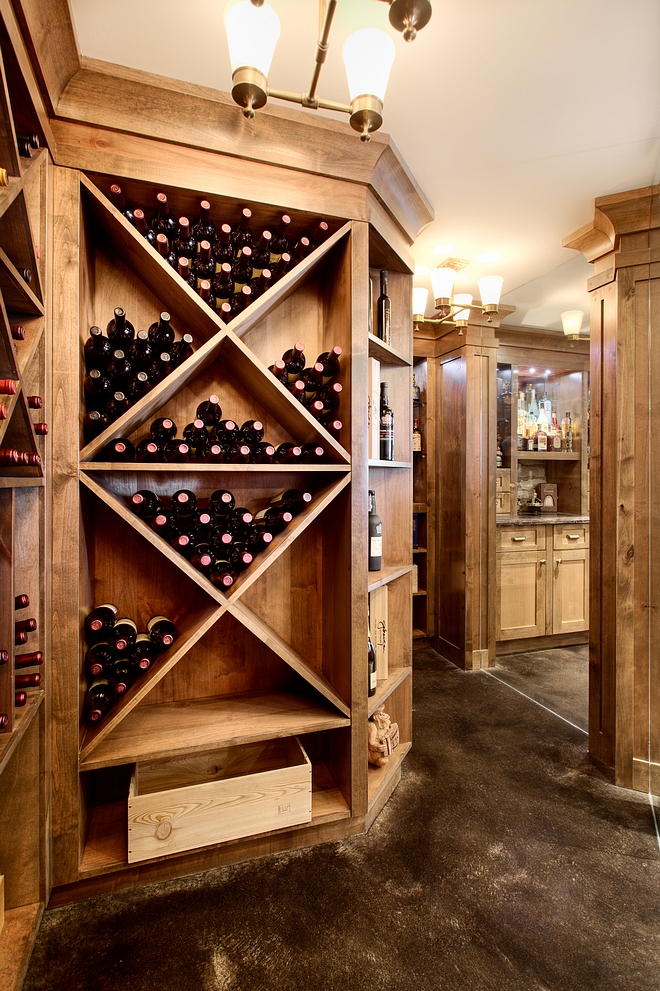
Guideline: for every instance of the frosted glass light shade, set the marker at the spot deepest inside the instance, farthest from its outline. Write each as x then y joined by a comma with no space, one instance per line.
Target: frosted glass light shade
571,321
368,55
442,280
252,34
490,287
462,299
420,299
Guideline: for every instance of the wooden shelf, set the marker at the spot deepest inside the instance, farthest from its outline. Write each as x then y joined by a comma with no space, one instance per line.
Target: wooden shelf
380,777
419,634
385,688
23,718
419,507
419,550
165,730
268,469
16,941
390,464
547,456
386,354
419,593
386,575
33,480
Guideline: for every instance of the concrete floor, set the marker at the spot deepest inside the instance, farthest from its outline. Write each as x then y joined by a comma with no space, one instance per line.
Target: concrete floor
503,862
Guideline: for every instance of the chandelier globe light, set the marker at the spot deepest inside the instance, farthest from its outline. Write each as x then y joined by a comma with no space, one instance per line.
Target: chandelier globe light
456,307
253,29
420,299
571,321
490,289
462,317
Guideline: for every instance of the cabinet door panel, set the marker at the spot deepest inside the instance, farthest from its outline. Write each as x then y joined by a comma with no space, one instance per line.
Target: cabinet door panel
570,599
521,592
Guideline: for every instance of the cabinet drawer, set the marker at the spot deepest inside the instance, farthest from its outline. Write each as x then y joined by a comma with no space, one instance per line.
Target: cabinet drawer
502,480
571,535
199,799
502,503
520,538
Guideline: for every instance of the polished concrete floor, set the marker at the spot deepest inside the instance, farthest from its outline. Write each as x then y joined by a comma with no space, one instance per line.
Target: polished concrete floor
503,862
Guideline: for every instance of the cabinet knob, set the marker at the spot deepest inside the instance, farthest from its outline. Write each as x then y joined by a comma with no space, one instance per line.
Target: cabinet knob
542,561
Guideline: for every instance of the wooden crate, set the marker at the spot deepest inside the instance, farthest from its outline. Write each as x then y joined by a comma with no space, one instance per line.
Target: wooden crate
201,799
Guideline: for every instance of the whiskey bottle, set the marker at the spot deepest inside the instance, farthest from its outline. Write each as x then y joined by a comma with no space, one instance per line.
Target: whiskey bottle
417,437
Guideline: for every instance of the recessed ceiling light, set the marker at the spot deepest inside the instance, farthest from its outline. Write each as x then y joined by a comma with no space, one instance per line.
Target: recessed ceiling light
488,256
532,371
444,249
422,270
548,371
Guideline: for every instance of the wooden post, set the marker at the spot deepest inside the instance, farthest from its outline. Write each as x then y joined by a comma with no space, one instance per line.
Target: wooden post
623,242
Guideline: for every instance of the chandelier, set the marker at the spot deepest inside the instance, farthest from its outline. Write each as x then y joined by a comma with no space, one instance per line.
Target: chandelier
253,29
456,307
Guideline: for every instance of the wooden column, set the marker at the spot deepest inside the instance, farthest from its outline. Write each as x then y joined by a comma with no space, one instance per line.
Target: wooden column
623,242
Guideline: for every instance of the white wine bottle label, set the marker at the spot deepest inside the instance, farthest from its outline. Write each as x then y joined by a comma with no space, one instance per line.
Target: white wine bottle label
129,622
156,619
109,605
373,684
376,547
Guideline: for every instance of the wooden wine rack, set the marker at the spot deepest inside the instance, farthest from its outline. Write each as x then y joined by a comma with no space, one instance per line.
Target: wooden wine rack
282,653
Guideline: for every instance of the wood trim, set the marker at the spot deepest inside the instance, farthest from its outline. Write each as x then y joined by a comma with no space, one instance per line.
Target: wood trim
541,643
50,39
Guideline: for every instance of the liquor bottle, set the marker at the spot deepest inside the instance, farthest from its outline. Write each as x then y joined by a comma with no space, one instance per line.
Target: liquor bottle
116,405
142,653
164,221
99,659
533,409
184,244
181,350
222,285
100,621
417,437
97,348
17,332
120,202
99,700
122,634
209,412
221,502
312,454
241,235
282,267
120,449
145,504
161,631
222,573
7,387
28,660
278,369
261,254
294,359
21,601
386,426
185,271
98,387
384,309
541,440
554,435
120,330
27,680
25,625
263,453
294,500
279,243
567,434
203,266
163,248
176,452
375,535
222,250
119,369
252,432
330,362
143,227
183,503
242,269
301,249
372,666
204,229
288,453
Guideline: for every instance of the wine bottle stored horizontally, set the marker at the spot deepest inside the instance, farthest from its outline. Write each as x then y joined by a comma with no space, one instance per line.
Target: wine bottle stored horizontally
375,535
386,425
161,631
100,621
28,660
384,311
21,601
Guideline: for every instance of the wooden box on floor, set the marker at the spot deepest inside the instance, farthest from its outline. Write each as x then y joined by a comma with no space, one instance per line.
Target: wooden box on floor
196,800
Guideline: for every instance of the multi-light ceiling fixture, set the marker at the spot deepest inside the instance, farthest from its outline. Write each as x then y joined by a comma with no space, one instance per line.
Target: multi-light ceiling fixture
455,307
253,28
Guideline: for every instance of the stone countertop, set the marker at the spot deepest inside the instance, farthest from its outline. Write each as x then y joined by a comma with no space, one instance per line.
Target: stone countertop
542,519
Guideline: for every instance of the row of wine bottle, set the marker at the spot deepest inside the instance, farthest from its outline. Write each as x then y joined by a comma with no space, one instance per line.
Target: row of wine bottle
22,681
11,456
209,439
314,386
118,655
228,265
220,539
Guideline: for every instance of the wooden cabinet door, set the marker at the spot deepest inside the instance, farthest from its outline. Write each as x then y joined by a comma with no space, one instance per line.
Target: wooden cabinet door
570,590
521,593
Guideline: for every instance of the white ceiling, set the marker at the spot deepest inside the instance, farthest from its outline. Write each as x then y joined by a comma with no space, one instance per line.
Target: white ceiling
512,114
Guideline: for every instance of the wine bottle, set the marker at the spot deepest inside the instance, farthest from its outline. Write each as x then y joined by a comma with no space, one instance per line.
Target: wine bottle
330,362
98,387
252,432
122,675
312,454
239,517
163,429
145,504
28,660
239,454
242,269
183,542
258,285
301,249
160,368
329,397
4,411
319,233
202,524
183,503
7,387
386,425
222,286
148,450
263,453
241,235
221,502
161,332
163,248
21,601
30,138
279,243
204,290
282,267
315,407
25,625
27,680
120,202
261,254
371,665
119,369
220,539
278,369
4,657
222,574
100,621
259,538
143,227
161,631
195,433
239,300
209,412
202,557
97,348
164,524
120,330
375,535
20,699
276,519
138,387
181,350
294,360
288,453
204,229
203,266
24,148
118,404
164,221
240,557
175,451
142,653
34,402
227,432
20,638
122,634
383,309
185,271
17,332
120,449
222,250
184,244
141,351
293,500
99,659
98,700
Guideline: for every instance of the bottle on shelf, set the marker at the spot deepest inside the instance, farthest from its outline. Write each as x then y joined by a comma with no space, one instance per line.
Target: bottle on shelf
222,285
97,348
120,202
319,232
162,632
119,450
99,659
386,425
27,680
163,248
164,221
330,362
375,535
181,350
554,434
294,361
145,504
98,700
288,453
185,272
222,250
204,229
4,657
372,666
184,244
100,621
417,437
4,411
4,181
120,330
148,450
28,660
21,601
302,248
279,243
20,699
176,452
17,332
261,254
25,625
142,653
143,227
209,411
567,434
282,267
98,387
222,573
203,266
384,311
241,235
7,387
221,502
122,634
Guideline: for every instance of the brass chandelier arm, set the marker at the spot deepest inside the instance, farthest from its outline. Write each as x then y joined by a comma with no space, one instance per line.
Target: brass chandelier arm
315,104
322,46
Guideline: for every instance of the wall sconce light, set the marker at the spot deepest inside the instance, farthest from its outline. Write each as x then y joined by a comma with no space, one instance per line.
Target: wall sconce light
571,321
253,29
